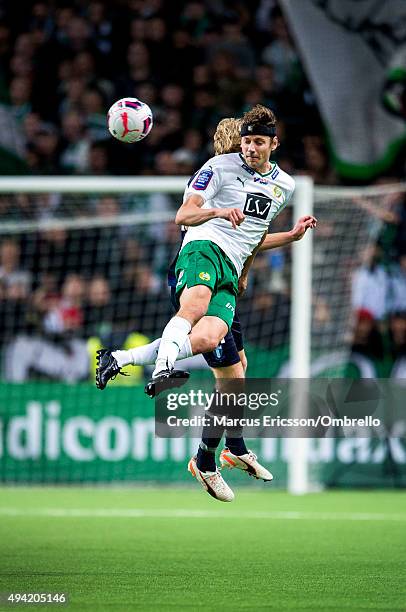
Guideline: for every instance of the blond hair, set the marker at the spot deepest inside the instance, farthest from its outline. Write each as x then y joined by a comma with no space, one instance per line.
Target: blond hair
227,137
259,114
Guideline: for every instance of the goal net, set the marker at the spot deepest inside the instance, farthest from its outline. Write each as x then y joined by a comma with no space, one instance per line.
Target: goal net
83,265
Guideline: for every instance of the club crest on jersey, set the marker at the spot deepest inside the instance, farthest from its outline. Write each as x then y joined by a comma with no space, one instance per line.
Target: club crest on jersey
203,179
278,194
257,205
205,276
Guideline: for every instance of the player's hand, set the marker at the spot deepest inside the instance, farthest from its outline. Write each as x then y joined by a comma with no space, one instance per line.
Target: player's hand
242,284
234,215
302,225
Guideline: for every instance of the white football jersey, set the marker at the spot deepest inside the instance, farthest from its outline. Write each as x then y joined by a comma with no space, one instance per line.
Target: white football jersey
226,181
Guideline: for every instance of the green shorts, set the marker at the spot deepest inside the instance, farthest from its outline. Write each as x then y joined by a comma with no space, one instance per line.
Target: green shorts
202,262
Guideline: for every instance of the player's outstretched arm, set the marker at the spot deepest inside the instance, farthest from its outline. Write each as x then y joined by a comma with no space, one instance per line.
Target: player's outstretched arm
273,241
191,213
280,239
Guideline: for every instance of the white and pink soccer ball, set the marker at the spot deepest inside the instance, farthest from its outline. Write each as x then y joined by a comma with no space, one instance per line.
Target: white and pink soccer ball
129,120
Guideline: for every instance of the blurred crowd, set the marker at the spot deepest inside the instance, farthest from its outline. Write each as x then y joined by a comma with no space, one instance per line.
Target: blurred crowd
379,283
62,288
63,64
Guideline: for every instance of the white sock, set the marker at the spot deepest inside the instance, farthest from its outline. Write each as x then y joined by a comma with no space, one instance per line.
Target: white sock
141,355
147,354
173,339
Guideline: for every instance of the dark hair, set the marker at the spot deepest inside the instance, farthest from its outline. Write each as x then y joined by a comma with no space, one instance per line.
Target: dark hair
259,114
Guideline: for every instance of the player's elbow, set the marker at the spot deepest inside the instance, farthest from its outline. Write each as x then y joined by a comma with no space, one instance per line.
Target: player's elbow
266,243
180,218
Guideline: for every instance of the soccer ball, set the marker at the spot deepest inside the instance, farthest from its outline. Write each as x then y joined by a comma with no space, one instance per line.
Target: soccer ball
129,120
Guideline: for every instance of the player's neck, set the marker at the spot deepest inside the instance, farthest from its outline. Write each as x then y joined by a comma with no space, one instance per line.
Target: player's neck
265,168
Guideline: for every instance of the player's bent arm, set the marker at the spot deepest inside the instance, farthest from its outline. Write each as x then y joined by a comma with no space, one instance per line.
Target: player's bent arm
191,213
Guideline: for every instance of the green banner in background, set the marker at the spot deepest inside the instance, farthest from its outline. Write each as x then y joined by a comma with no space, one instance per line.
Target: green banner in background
58,433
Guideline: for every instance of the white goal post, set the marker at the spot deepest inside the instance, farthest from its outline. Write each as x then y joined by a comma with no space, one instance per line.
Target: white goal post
300,331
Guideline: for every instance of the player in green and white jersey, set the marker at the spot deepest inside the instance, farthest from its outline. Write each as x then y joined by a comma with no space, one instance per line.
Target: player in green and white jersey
232,364
227,207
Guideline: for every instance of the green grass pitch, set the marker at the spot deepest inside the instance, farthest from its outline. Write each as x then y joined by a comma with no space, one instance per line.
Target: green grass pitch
166,549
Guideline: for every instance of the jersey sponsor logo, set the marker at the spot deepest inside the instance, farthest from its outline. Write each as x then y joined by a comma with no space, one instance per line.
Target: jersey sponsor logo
242,181
261,181
204,276
248,169
202,180
230,306
257,205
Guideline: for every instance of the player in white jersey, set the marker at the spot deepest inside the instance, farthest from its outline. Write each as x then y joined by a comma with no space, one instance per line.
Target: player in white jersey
228,359
232,363
241,203
229,362
216,251
227,207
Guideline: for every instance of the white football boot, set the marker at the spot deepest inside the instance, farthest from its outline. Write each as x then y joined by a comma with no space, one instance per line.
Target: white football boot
248,463
212,482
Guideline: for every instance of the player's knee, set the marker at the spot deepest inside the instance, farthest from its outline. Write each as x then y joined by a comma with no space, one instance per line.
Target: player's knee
194,303
205,344
229,372
192,312
211,342
243,360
